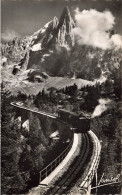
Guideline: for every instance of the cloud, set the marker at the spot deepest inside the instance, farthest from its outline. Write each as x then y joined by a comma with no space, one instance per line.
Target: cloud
117,40
93,28
8,35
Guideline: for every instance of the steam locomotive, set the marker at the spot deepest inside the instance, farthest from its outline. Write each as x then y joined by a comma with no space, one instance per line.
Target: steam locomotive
79,122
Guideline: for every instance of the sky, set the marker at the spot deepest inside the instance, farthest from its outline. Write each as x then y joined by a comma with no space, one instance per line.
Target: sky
24,17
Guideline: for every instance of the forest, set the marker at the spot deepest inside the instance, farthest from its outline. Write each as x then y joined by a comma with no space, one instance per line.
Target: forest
24,153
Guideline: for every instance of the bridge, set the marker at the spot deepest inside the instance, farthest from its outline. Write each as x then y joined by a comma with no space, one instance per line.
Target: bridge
54,123
81,171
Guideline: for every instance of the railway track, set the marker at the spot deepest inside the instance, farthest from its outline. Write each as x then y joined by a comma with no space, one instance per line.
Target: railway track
70,176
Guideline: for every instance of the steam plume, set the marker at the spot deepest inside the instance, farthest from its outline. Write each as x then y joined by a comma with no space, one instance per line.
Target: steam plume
101,107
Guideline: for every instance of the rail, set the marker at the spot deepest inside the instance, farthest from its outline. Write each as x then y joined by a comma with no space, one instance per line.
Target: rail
32,110
91,168
48,169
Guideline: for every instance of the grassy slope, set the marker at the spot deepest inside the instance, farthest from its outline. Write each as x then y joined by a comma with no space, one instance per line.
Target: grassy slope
16,83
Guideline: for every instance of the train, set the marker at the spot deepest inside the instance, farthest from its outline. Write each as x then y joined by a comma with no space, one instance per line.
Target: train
79,122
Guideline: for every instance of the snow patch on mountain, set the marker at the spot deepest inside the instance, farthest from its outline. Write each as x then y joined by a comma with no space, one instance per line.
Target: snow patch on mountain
44,56
40,33
4,59
66,46
46,25
36,47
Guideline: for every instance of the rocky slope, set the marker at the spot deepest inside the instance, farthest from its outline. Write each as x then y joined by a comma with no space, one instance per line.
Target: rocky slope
92,63
15,49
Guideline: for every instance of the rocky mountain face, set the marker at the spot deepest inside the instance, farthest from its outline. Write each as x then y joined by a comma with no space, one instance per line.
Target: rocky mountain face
45,48
92,63
53,50
49,50
15,49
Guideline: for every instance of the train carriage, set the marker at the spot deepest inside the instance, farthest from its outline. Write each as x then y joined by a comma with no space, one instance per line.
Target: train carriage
79,122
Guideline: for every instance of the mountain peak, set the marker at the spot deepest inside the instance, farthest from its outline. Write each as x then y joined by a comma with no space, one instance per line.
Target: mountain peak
66,10
66,19
65,15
